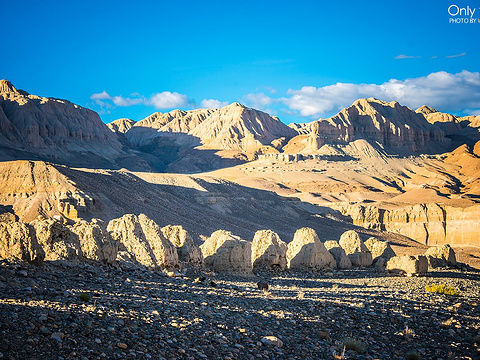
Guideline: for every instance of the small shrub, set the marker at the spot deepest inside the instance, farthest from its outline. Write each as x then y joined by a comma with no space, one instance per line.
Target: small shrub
355,345
84,297
413,355
442,289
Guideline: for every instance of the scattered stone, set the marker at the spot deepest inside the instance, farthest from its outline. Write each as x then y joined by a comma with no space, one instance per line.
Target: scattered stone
272,340
57,336
261,285
122,345
167,318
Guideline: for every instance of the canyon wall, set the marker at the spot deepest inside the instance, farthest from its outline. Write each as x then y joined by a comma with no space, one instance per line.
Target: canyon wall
430,224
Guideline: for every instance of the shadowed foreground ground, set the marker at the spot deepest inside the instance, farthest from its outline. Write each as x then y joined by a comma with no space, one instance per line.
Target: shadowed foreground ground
143,314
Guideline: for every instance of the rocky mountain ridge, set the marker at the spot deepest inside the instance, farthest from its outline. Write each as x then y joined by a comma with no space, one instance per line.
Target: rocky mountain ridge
386,124
37,127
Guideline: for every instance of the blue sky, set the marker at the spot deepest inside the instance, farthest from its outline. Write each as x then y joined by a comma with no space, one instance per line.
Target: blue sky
299,60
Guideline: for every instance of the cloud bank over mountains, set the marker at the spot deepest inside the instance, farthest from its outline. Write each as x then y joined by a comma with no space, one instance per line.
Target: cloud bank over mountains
445,91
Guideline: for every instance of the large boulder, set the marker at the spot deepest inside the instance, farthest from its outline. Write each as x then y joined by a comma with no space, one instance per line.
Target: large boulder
57,240
18,241
341,258
95,241
142,240
306,251
226,252
188,252
356,250
268,250
441,256
379,249
408,264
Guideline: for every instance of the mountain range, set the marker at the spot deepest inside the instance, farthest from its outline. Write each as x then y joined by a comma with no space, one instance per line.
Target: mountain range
370,165
39,128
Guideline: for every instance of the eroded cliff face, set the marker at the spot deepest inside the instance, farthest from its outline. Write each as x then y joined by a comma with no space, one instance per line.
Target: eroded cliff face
34,127
387,123
233,127
430,224
34,188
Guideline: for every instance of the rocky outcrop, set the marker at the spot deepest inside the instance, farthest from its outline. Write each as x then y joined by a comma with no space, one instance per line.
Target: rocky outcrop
441,256
226,252
268,250
408,264
430,224
379,249
52,129
306,251
18,241
355,249
56,240
447,122
189,254
121,125
233,127
34,188
390,124
143,241
95,241
341,258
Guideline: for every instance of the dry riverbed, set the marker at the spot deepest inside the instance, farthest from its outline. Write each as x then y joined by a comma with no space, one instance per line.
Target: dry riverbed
82,311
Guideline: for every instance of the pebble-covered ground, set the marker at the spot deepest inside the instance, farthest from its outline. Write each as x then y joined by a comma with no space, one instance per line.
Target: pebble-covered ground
66,311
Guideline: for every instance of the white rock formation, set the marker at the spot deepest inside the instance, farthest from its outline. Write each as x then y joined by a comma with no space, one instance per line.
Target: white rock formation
143,240
341,258
408,264
379,248
226,252
56,240
441,256
189,253
268,250
306,251
95,241
356,250
18,241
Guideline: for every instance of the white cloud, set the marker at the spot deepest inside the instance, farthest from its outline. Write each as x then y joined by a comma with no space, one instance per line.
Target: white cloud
101,96
403,56
474,112
259,100
168,100
442,90
213,104
121,101
163,100
455,56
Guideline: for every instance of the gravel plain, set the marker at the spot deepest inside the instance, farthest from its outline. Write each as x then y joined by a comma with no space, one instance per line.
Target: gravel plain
90,311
